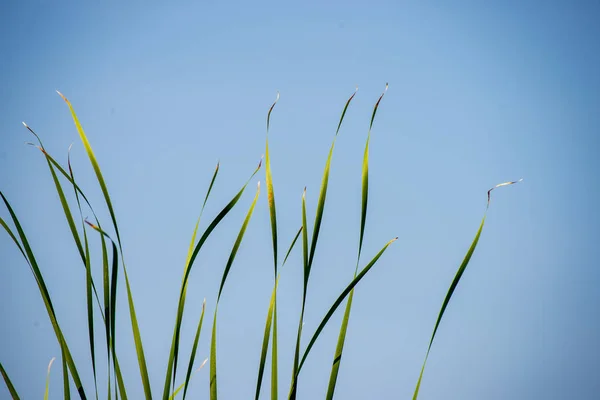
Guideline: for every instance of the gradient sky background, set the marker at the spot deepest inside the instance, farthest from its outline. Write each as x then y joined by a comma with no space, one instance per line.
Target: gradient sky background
479,94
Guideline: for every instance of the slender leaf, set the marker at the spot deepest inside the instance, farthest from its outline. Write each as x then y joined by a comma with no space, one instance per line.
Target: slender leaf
48,379
31,261
454,284
9,384
234,250
363,217
193,354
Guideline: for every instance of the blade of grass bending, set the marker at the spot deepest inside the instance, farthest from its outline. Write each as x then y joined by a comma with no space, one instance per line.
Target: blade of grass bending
188,269
315,236
88,272
454,284
335,368
9,384
234,250
193,354
31,261
134,324
176,392
175,341
339,300
265,344
48,378
52,163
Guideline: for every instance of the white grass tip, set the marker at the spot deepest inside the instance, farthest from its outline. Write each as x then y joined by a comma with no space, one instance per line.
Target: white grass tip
202,365
50,364
24,124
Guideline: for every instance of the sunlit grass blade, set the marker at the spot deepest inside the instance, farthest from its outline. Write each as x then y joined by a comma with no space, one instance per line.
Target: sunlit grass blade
363,217
193,353
48,379
95,165
313,245
31,261
270,193
134,324
9,384
234,250
265,343
176,392
188,269
174,352
454,284
88,273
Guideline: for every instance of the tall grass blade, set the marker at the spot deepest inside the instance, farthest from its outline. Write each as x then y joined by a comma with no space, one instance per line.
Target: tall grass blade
337,303
134,324
88,276
48,379
174,352
335,368
188,269
265,344
193,354
9,384
314,240
31,261
234,250
454,284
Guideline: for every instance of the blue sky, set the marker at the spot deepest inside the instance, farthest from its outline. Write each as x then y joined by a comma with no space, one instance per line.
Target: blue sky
479,94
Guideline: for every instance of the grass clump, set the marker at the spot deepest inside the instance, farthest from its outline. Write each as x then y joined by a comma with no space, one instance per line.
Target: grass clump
103,298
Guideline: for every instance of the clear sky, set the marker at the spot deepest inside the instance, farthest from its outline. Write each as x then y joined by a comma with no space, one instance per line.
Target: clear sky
479,94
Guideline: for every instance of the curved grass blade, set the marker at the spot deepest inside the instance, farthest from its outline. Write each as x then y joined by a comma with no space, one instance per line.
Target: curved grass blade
134,324
270,193
337,303
193,354
88,273
31,261
454,284
174,352
265,344
48,379
9,384
234,250
335,368
315,236
188,269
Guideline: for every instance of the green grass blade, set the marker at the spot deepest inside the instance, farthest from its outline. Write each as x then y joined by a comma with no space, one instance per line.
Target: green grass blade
193,354
234,250
174,352
9,384
48,379
95,165
238,242
213,358
270,193
323,190
188,269
89,282
265,345
337,303
274,358
454,284
335,368
65,374
31,261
